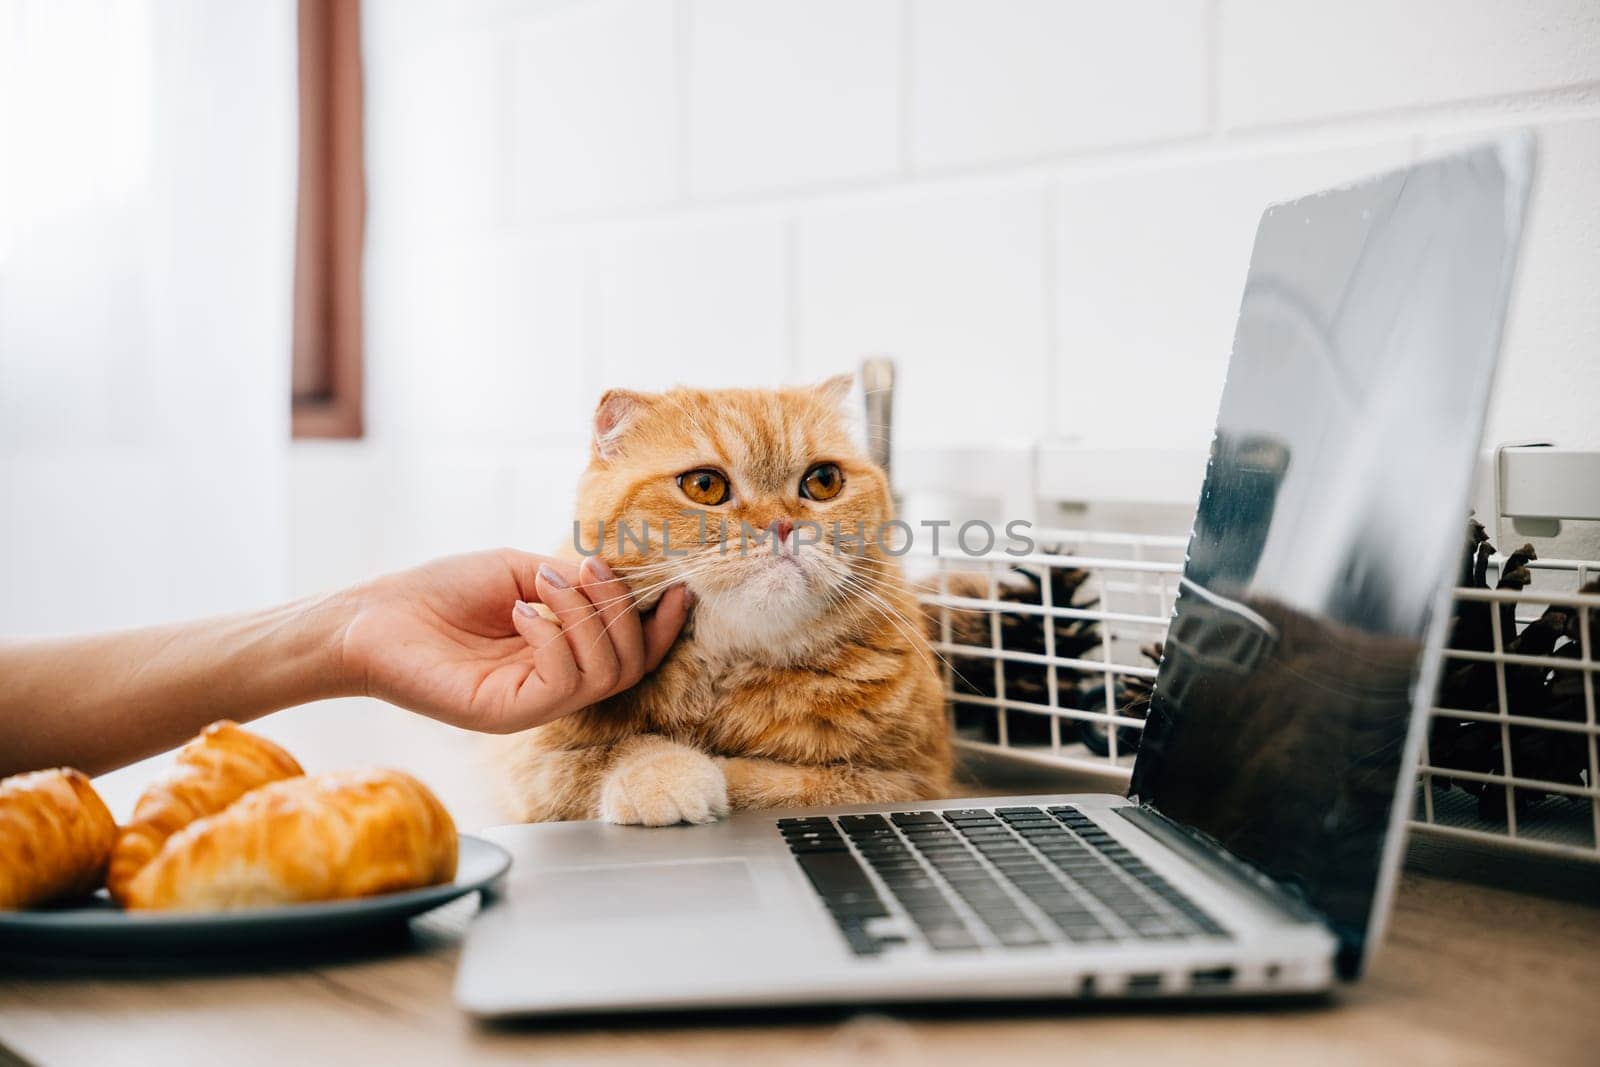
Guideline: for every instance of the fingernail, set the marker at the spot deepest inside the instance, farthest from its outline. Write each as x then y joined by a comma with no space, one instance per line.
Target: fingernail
525,608
598,568
548,573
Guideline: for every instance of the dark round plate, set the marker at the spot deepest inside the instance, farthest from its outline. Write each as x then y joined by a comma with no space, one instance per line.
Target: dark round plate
100,927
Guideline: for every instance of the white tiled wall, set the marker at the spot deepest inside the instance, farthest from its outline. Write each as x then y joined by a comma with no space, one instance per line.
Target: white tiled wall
1029,79
1286,61
713,297
784,94
960,277
1042,208
596,123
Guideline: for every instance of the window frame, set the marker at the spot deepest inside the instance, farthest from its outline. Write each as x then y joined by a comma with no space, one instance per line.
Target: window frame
326,371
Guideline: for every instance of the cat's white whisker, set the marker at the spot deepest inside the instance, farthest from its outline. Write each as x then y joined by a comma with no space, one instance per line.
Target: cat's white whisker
864,590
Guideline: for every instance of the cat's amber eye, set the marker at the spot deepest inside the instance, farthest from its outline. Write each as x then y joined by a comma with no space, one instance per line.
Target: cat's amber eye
822,482
704,486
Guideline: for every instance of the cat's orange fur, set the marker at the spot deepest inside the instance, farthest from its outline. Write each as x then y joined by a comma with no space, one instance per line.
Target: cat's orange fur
798,681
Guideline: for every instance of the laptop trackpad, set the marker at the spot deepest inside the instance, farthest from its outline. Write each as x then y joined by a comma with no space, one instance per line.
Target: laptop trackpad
641,889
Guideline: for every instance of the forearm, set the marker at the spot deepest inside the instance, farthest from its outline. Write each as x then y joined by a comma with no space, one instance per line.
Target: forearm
97,703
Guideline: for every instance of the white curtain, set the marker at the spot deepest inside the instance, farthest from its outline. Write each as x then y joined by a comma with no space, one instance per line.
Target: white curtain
147,163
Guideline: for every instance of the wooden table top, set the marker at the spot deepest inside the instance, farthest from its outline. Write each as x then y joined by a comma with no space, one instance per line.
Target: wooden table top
1471,973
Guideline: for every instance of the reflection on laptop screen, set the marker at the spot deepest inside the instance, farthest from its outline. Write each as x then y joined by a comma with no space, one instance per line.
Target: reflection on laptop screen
1333,509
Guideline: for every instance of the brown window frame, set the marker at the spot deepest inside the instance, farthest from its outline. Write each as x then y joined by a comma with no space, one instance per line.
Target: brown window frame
330,223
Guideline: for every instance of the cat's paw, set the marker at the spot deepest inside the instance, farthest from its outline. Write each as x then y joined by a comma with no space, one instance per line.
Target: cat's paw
662,785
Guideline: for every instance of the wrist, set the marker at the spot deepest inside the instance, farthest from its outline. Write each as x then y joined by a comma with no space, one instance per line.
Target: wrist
297,652
336,669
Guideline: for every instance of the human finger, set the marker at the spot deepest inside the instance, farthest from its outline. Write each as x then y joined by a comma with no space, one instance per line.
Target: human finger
554,667
612,598
583,627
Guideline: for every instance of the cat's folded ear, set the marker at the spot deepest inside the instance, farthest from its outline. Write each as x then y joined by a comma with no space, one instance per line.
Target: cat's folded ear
617,410
833,391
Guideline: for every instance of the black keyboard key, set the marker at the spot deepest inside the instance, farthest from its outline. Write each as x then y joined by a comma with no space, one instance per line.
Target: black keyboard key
990,906
1001,846
1019,813
914,899
810,822
899,870
857,906
815,840
835,872
912,888
974,887
854,824
916,818
1066,913
860,942
923,835
1004,857
1017,934
999,911
811,836
949,937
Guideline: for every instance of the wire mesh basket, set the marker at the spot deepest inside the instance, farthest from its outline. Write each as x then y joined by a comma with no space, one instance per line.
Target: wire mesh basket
1049,657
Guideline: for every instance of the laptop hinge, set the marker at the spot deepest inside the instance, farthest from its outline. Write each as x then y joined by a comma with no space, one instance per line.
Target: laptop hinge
1217,861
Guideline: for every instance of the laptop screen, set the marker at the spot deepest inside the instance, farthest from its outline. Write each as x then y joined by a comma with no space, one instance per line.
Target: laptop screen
1333,510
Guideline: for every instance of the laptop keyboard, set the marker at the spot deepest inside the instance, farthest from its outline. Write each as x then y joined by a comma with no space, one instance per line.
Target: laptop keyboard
975,879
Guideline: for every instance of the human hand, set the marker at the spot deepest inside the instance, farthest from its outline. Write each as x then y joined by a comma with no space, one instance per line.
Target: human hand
458,640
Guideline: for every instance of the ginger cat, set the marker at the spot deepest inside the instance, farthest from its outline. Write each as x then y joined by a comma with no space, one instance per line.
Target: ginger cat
802,677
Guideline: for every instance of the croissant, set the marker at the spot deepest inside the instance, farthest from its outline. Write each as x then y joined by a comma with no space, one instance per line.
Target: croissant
319,837
215,769
55,837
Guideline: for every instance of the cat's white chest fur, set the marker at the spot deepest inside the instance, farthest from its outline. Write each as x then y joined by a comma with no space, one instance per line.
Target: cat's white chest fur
732,635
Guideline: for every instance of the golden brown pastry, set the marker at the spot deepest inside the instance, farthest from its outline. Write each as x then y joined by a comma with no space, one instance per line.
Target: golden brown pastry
55,837
318,837
215,769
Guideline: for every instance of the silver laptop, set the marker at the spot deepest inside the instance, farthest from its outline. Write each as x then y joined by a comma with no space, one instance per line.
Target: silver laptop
1257,849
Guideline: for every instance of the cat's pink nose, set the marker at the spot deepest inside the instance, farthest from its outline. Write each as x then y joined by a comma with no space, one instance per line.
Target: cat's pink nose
782,527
